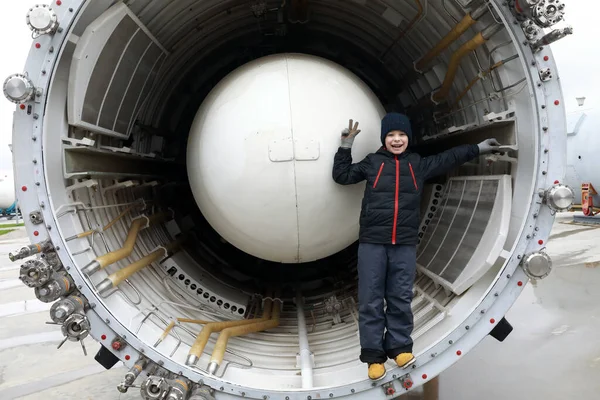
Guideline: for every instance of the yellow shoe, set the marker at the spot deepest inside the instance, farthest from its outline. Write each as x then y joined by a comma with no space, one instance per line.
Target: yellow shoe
404,360
376,371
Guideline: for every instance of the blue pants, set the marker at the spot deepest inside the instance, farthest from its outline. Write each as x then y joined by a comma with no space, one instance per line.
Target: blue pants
385,272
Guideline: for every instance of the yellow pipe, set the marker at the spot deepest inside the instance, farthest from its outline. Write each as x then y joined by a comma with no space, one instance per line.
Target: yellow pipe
446,41
474,81
221,345
172,325
106,227
465,49
468,20
134,229
202,338
114,279
408,28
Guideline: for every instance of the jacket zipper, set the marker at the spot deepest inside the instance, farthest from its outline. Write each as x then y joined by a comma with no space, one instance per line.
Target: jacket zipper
396,200
378,175
413,176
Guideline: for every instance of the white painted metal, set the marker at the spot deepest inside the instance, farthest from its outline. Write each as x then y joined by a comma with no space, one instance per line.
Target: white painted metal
583,141
37,134
7,190
485,252
304,356
284,207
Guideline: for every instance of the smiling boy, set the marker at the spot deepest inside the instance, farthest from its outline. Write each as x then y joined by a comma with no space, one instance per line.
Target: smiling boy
389,223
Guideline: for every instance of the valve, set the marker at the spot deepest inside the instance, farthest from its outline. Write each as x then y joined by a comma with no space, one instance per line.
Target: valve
58,286
118,344
132,375
406,382
552,37
35,273
18,88
202,392
154,388
42,20
544,13
63,309
30,250
75,329
559,197
537,265
180,387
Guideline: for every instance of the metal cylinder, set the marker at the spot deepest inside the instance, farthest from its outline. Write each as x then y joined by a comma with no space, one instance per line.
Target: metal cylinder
58,286
479,11
552,37
180,388
35,273
154,388
42,19
18,88
202,393
132,375
61,310
545,13
29,250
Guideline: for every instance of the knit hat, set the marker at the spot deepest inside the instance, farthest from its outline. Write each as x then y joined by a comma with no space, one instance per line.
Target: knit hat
393,122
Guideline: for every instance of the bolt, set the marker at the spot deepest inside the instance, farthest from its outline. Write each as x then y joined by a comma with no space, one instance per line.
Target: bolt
107,321
545,128
59,30
544,172
496,294
34,161
351,390
79,287
519,257
34,138
543,106
535,215
51,49
528,236
483,311
467,327
450,341
37,184
432,355
537,228
35,116
92,305
221,388
67,268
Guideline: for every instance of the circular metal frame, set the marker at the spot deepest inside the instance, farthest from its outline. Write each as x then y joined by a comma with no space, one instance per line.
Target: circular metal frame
434,360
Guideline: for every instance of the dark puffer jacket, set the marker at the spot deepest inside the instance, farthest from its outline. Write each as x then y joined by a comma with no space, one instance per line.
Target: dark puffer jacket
391,203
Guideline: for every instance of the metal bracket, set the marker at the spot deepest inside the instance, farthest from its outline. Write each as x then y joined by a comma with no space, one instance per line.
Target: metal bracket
36,217
545,74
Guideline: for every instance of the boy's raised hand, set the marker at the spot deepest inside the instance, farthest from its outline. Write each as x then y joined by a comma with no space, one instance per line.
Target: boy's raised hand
488,146
349,134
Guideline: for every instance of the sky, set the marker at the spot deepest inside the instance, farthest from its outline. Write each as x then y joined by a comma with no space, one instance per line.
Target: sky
576,57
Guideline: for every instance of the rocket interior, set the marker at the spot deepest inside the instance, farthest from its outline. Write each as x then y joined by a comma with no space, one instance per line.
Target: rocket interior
122,103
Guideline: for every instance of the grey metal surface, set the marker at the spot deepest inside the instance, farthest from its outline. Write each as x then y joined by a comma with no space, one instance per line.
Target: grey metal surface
459,224
82,162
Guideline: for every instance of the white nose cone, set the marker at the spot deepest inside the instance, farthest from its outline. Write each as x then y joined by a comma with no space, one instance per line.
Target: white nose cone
260,156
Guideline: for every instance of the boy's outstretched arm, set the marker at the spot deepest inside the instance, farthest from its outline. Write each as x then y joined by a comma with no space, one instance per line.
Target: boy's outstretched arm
445,161
344,172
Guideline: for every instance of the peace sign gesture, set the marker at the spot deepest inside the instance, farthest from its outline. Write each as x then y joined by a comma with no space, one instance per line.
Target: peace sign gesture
351,131
349,134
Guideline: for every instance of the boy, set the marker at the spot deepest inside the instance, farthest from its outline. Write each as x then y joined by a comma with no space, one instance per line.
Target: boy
389,223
